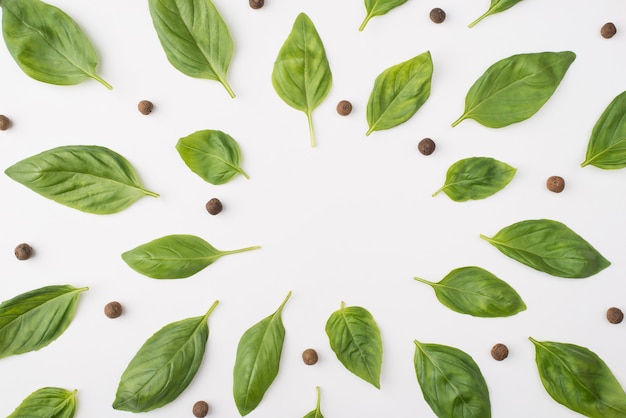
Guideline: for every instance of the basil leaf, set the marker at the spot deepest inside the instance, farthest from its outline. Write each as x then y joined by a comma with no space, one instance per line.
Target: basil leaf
607,145
451,382
477,292
47,44
258,360
316,413
174,256
549,246
399,92
378,8
576,377
32,320
195,38
497,6
164,365
47,402
301,74
476,178
85,177
213,155
355,338
515,88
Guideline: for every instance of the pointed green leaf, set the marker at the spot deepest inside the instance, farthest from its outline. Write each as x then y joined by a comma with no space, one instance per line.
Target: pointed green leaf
607,145
47,402
497,6
316,413
379,8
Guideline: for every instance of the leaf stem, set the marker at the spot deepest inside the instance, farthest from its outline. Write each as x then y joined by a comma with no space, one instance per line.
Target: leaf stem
282,305
317,405
149,193
311,133
424,281
487,13
100,80
367,19
240,170
230,91
459,120
486,238
241,250
206,316
438,191
370,130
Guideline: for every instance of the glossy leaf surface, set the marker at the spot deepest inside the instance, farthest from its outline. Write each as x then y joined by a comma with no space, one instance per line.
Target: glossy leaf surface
174,256
451,382
607,145
515,88
317,412
549,246
399,92
48,402
164,365
477,292
379,8
355,338
496,6
89,178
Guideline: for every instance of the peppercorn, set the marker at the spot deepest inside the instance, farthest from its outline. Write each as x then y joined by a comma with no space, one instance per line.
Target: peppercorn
214,206
5,123
608,30
344,108
614,315
113,310
426,146
23,251
499,352
437,15
145,107
257,4
309,356
555,184
200,409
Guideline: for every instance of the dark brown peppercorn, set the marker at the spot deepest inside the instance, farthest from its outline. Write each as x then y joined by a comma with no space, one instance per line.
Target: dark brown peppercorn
437,15
145,107
23,251
344,108
214,206
5,123
257,4
614,315
113,310
309,356
608,30
426,146
499,352
200,409
555,184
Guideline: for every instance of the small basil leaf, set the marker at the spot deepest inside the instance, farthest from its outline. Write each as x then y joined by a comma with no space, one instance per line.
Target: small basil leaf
258,360
378,8
195,38
355,338
515,88
576,377
174,256
476,178
607,145
477,292
34,319
549,246
399,92
85,177
497,6
213,155
47,44
316,413
301,74
164,365
47,402
451,382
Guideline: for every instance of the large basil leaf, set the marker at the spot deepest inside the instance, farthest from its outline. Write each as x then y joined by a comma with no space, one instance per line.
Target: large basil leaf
317,412
576,377
515,88
549,246
213,155
379,8
34,319
47,402
355,338
607,145
399,92
85,177
477,292
195,38
47,44
451,382
497,6
164,365
258,360
301,74
476,178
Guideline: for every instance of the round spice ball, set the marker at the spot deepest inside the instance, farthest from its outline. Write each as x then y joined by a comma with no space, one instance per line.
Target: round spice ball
145,107
437,15
23,251
555,184
5,123
309,356
214,206
257,4
426,146
499,352
200,409
344,108
614,315
608,30
113,310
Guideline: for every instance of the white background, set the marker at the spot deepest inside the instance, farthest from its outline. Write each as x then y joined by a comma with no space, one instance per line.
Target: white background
351,220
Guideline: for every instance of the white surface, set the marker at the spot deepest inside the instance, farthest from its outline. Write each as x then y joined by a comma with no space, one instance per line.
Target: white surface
352,220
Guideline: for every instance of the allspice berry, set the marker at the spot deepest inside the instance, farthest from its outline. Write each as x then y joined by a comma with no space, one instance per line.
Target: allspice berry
608,30
5,123
499,352
23,251
200,409
344,108
555,184
113,310
426,146
257,4
145,107
309,356
437,15
614,315
214,206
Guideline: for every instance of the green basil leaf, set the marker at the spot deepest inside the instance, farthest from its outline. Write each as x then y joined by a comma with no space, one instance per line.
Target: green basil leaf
174,256
355,338
576,377
399,92
549,246
316,413
34,319
497,6
515,88
47,402
301,74
195,38
476,178
451,382
164,365
477,292
378,8
213,155
258,360
607,145
47,44
85,177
